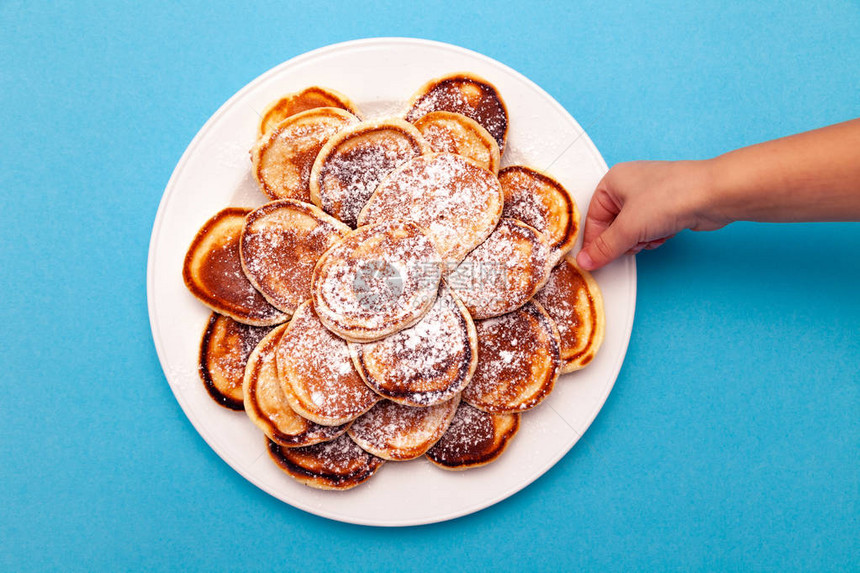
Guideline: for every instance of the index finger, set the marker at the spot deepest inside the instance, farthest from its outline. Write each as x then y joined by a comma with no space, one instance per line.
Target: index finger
602,211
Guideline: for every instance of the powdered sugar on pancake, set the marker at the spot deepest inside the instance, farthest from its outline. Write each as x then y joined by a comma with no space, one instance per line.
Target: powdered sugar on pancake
456,133
456,201
576,309
224,352
378,280
316,372
339,455
527,209
212,271
559,297
471,430
350,167
518,361
504,272
468,95
542,202
281,244
282,159
268,407
338,464
474,438
425,364
398,432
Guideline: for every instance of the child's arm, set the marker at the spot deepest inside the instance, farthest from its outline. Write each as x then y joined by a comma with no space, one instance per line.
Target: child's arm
812,176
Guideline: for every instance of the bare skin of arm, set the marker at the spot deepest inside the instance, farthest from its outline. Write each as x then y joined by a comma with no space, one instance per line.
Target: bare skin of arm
812,176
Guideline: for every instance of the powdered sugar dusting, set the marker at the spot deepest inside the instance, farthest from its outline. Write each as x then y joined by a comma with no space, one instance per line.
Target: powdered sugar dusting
228,344
378,280
504,272
283,158
339,454
456,201
567,300
213,271
518,361
281,243
353,168
401,432
469,97
528,209
317,366
470,435
542,202
425,364
337,459
267,400
558,297
507,356
456,133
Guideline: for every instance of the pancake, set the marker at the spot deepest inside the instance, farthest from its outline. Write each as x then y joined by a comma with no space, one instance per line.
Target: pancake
573,299
518,361
316,372
454,200
542,202
473,439
353,162
267,406
338,464
467,94
282,158
213,272
281,243
426,364
396,432
297,102
456,133
377,281
224,351
504,272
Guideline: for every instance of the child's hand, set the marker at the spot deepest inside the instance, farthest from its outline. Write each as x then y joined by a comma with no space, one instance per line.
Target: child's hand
641,204
812,176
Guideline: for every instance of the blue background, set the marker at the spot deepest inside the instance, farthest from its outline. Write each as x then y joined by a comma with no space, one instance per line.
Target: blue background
731,440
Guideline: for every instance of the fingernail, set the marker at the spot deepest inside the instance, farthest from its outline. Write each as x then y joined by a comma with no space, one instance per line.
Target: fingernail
584,260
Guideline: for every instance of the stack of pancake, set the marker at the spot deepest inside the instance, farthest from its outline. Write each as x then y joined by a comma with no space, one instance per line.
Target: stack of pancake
399,297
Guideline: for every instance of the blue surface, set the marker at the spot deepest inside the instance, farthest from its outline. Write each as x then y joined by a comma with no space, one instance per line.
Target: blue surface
731,440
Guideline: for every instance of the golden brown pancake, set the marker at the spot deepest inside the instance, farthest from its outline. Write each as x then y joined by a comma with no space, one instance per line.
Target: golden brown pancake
519,361
338,464
353,162
224,351
378,280
454,200
281,243
455,133
473,439
213,272
425,364
396,432
316,372
573,299
504,272
297,102
282,158
267,406
467,94
542,202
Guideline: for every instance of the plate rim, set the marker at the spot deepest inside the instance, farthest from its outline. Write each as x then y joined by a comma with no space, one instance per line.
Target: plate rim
170,190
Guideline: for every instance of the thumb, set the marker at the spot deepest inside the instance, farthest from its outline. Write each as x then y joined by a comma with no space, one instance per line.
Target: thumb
613,242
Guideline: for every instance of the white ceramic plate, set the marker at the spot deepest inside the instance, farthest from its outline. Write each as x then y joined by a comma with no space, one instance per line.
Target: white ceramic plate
214,172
